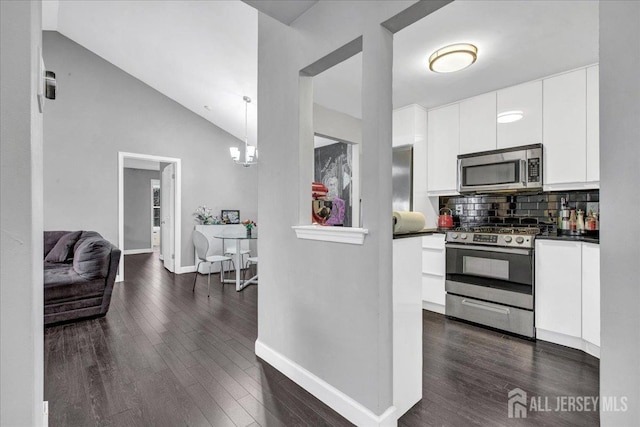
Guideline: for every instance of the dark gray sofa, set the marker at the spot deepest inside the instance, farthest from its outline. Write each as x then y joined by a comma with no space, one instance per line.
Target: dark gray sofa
79,272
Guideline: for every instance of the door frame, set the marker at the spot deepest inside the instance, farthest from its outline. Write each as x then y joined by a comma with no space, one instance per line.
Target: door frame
153,182
177,229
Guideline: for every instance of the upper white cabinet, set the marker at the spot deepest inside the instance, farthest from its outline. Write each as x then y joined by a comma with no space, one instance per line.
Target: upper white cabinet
442,149
591,293
410,128
565,128
561,112
593,124
409,125
527,98
558,291
478,123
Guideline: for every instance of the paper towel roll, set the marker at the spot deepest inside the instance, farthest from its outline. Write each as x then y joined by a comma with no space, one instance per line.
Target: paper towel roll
407,222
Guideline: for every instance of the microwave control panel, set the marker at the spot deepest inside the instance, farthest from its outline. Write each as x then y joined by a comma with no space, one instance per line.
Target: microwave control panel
533,170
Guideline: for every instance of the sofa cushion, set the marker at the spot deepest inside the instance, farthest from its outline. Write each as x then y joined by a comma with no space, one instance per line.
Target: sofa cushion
91,257
50,240
62,283
63,249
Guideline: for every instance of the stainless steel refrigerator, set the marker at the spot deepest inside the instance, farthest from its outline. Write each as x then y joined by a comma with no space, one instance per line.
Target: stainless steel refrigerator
402,178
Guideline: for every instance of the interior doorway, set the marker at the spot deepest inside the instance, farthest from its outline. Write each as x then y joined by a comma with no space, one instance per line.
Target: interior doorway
165,218
156,218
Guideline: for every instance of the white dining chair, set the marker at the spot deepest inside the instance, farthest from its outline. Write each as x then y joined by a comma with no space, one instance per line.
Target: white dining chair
250,260
231,251
201,244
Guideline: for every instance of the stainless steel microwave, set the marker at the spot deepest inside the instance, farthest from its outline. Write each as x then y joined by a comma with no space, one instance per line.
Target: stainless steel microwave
505,170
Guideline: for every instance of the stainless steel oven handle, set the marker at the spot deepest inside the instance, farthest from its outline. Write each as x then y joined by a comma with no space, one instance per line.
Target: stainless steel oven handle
516,251
474,304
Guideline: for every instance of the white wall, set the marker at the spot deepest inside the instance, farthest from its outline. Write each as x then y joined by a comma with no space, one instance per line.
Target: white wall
324,306
619,178
101,110
137,208
21,289
337,125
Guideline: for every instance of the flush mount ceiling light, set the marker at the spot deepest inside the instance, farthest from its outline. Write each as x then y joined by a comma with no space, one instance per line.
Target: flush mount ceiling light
510,116
250,151
452,58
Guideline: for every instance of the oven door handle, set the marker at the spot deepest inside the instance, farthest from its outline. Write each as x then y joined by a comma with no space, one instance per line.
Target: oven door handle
516,251
493,308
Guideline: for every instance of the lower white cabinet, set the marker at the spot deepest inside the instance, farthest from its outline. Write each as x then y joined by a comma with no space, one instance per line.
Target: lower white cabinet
567,294
433,273
558,287
591,293
407,324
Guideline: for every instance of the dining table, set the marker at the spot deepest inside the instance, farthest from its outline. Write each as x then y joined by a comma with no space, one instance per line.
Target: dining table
238,234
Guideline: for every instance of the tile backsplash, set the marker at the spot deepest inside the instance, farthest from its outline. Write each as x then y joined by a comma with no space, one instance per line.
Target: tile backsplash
519,209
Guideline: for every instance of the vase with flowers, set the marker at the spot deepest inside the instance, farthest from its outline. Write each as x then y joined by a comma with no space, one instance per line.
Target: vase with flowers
204,216
249,224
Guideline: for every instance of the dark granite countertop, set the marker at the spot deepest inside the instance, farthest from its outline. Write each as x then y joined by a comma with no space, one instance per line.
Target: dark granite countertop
570,238
423,232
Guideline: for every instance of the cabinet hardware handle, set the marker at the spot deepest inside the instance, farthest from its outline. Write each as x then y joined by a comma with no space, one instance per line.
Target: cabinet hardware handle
474,304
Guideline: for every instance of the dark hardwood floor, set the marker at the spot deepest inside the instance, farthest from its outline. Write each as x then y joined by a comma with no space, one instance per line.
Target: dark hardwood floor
164,356
468,372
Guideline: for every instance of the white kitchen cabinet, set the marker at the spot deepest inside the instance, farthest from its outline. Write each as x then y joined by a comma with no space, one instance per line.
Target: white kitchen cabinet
558,291
410,128
433,273
567,294
527,98
565,128
409,125
478,123
591,293
443,130
407,324
593,125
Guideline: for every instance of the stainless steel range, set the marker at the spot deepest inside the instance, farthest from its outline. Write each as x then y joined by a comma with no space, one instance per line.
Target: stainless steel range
490,277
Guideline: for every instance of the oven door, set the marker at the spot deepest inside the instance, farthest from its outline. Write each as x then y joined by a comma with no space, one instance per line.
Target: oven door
495,274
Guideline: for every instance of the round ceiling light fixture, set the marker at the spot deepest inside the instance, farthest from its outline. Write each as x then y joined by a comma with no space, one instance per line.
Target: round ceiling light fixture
452,58
510,116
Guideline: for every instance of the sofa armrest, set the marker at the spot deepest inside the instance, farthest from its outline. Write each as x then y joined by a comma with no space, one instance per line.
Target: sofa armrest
112,272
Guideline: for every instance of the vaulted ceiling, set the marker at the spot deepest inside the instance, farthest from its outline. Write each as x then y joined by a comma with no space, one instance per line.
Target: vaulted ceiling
204,53
198,53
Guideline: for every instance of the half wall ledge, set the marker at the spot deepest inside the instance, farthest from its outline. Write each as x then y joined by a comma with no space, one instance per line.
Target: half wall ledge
349,235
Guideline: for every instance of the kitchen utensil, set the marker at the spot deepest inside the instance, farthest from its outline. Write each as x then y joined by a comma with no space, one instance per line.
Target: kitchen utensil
445,220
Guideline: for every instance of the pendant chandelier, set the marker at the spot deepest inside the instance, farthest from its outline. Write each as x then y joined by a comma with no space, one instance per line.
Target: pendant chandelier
250,151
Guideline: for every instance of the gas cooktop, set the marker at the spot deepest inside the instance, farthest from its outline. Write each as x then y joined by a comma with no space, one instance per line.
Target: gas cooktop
494,236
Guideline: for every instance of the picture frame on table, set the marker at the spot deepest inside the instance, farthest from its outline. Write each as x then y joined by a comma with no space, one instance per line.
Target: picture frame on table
230,216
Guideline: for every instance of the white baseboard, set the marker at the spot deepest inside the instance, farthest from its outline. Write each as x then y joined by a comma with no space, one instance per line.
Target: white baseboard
432,306
334,398
568,341
45,413
137,251
187,269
